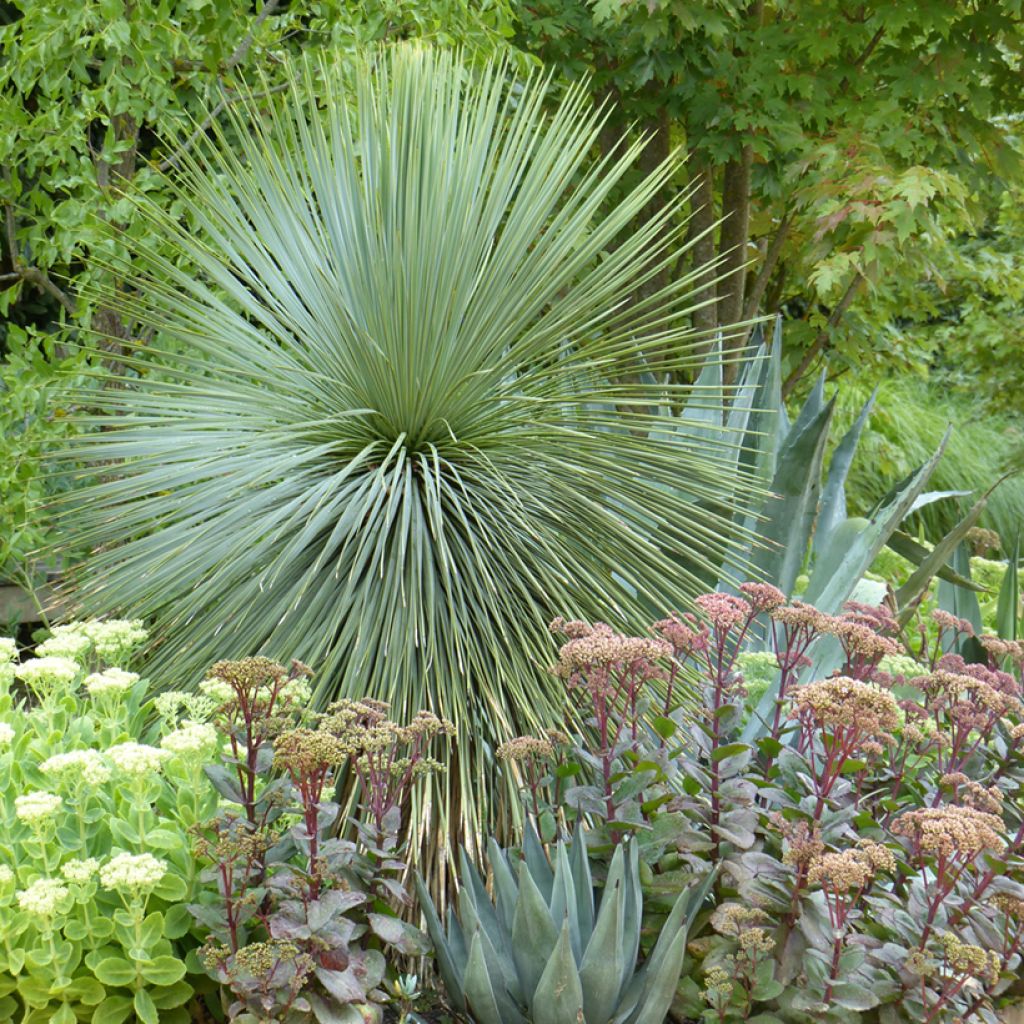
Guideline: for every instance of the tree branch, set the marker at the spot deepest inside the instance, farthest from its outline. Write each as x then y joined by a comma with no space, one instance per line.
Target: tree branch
771,260
172,161
823,336
42,280
32,275
240,51
870,48
245,45
700,242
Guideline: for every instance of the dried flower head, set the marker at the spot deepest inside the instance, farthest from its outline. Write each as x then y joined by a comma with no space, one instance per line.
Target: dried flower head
880,857
763,597
1011,906
945,621
718,987
840,702
861,640
755,941
983,540
999,649
972,794
973,961
803,841
602,647
724,611
919,963
798,615
304,752
951,831
734,918
571,628
526,748
685,635
261,958
842,872
250,674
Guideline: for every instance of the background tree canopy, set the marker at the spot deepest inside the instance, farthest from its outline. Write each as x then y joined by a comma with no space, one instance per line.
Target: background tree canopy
842,143
863,157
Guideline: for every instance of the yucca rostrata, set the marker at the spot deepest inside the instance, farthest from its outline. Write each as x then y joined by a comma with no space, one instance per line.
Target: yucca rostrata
546,950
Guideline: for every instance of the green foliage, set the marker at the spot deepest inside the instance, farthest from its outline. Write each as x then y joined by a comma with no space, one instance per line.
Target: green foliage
98,96
545,949
31,426
404,406
864,856
907,422
963,316
94,825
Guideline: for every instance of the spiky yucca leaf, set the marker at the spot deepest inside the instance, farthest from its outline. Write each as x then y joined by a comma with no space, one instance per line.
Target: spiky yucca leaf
396,422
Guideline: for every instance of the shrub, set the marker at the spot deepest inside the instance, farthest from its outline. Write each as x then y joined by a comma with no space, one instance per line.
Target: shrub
869,854
94,816
297,917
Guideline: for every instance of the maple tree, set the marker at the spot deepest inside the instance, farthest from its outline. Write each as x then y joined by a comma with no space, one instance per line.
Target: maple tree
835,141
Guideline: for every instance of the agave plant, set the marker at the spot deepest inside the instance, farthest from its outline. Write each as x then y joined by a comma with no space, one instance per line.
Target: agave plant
802,525
390,421
547,951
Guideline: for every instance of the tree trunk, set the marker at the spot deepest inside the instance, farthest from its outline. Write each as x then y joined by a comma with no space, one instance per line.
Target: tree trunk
701,239
732,246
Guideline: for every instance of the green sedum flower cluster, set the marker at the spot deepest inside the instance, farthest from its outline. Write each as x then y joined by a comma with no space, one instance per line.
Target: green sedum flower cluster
95,808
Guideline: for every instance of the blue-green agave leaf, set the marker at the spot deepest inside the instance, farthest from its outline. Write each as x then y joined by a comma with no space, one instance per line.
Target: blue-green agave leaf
481,998
559,995
909,593
534,934
452,970
956,599
833,497
1008,605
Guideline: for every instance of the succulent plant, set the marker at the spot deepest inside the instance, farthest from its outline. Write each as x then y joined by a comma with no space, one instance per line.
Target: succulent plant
546,950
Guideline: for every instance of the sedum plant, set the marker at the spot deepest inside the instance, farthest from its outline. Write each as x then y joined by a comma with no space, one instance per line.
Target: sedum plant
94,815
867,848
393,393
299,920
547,950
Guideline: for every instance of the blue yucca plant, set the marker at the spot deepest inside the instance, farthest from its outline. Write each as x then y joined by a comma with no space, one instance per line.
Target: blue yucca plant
390,422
